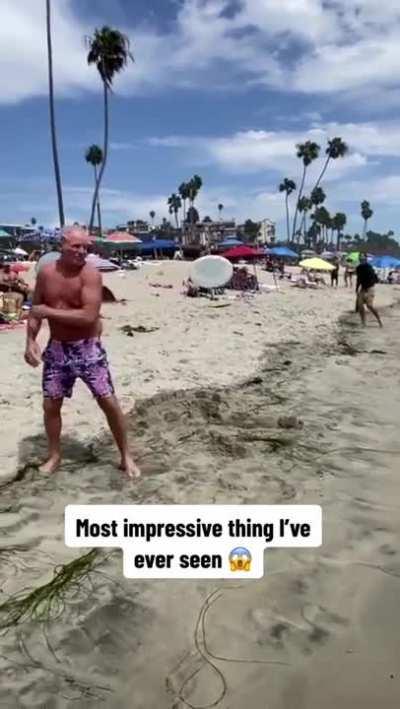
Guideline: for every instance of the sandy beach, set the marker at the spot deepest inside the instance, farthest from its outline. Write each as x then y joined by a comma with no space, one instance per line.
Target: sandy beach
279,398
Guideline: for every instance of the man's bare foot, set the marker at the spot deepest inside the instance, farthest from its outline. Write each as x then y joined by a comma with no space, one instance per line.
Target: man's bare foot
130,468
51,465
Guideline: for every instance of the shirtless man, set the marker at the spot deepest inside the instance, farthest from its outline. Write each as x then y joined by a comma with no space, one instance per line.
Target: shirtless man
68,294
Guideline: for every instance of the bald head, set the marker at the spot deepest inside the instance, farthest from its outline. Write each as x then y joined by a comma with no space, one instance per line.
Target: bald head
73,233
75,243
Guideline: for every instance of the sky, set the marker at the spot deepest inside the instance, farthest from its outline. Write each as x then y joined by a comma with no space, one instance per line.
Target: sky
221,88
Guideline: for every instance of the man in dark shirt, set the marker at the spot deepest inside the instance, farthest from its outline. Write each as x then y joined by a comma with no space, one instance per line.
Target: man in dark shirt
365,289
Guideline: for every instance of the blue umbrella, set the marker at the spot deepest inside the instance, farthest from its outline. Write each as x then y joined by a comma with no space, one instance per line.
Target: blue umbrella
282,251
385,262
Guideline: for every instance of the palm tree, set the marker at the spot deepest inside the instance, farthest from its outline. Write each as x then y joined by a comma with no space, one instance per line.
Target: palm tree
318,196
175,203
305,205
109,51
337,148
307,152
322,217
339,222
94,156
57,171
184,195
33,221
220,208
287,186
194,187
152,216
366,213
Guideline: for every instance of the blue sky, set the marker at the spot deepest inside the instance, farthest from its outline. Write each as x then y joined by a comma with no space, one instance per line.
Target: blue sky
220,88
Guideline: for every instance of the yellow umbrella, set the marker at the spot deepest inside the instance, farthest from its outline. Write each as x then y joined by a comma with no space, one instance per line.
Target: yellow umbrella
316,264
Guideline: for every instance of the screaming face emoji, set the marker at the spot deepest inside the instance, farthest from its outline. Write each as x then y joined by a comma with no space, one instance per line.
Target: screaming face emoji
240,559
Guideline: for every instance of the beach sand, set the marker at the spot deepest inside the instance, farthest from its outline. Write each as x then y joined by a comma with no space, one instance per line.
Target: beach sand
213,390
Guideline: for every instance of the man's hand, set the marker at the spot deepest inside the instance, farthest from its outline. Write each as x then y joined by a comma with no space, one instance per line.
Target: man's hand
39,312
33,355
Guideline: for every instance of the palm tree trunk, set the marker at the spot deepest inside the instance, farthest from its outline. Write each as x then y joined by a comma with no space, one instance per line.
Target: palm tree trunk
57,171
365,228
176,218
184,223
98,201
324,169
287,218
105,154
302,223
298,200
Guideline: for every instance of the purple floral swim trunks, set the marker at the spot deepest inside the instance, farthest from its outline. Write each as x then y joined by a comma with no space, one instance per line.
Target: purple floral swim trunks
65,362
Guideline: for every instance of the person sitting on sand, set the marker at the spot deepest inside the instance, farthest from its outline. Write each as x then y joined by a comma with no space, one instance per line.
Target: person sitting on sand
68,294
10,281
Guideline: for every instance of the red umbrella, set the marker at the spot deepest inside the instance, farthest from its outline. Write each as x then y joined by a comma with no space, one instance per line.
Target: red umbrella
241,252
122,236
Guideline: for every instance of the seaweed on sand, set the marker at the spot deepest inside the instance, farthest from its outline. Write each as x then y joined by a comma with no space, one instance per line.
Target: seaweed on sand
47,603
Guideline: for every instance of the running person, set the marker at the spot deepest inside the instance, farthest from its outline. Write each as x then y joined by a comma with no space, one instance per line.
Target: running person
68,294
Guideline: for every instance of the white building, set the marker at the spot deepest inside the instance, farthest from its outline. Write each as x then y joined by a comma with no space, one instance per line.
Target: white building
267,231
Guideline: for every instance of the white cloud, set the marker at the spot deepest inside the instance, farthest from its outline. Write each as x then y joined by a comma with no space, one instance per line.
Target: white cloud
257,151
23,52
311,46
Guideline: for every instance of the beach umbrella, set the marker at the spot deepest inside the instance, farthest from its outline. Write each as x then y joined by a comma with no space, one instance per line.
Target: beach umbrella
20,252
283,252
102,264
230,243
328,255
242,252
316,264
385,262
123,237
121,241
47,258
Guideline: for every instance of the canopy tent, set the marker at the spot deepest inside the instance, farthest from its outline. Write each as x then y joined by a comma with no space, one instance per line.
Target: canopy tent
282,251
385,262
316,264
242,252
148,247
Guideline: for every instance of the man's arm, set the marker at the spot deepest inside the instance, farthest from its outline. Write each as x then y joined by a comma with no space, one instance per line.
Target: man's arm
91,297
32,350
